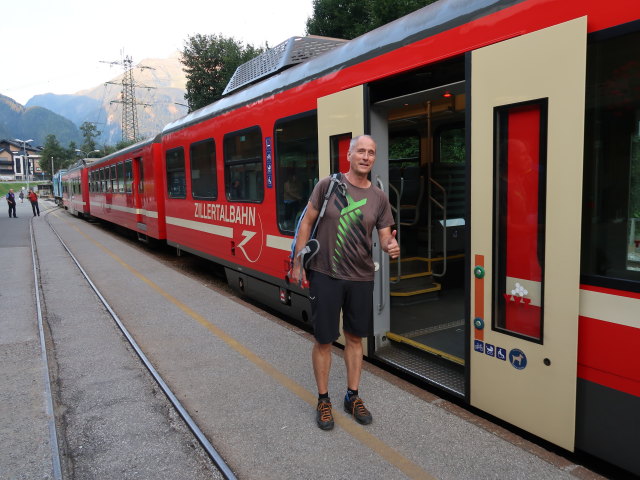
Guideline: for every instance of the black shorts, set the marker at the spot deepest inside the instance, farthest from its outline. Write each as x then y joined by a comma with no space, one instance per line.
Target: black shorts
328,295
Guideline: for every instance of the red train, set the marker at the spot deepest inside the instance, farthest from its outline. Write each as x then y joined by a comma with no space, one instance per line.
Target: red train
509,143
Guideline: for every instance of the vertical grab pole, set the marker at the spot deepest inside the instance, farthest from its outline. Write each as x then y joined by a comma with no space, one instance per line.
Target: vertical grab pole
443,207
398,223
382,299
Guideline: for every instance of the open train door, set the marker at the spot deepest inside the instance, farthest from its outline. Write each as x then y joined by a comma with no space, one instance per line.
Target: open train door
527,124
341,117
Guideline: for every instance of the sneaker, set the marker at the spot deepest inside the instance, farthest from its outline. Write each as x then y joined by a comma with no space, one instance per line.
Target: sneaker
356,407
324,417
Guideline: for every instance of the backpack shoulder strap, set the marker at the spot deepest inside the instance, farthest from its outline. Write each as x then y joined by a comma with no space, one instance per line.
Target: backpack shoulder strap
336,178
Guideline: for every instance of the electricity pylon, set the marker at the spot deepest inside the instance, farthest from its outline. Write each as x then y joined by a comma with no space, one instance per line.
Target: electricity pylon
128,99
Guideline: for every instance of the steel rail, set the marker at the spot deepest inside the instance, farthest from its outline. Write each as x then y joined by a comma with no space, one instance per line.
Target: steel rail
210,450
48,398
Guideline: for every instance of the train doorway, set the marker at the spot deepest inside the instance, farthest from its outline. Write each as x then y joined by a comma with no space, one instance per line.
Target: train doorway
420,308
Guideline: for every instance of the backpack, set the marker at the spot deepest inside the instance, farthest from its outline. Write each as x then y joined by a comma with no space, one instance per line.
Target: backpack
312,246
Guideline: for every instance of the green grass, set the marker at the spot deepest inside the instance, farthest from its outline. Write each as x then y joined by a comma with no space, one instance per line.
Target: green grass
4,187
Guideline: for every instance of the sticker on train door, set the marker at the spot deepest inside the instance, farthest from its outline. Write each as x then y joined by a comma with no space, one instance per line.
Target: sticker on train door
518,359
267,142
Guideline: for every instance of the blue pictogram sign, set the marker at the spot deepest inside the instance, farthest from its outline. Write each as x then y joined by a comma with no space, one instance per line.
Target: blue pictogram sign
267,142
489,349
518,359
501,353
478,346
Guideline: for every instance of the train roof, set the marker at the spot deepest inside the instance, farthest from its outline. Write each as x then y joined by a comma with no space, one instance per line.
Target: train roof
428,21
129,149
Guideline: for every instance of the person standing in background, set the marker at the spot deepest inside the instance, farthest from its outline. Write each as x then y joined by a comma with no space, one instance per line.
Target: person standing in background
33,198
11,201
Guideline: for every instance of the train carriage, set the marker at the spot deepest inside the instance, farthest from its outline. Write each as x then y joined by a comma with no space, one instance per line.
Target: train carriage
75,192
57,187
126,188
508,137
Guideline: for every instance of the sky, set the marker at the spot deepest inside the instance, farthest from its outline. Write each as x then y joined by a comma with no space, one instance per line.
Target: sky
58,46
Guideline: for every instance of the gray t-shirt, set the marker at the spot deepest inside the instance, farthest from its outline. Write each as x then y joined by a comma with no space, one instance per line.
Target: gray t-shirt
344,233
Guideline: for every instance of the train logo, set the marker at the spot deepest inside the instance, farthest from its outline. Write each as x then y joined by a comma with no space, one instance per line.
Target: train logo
518,294
250,242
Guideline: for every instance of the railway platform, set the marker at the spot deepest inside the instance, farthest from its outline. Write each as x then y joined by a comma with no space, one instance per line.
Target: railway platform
244,377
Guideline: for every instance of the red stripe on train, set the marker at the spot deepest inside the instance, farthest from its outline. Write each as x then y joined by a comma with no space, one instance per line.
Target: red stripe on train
608,355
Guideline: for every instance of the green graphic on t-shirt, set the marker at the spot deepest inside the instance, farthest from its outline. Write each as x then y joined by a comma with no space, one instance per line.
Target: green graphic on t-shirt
350,231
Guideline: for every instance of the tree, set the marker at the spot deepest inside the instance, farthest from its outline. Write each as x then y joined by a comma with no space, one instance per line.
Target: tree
386,11
340,18
72,155
209,63
351,18
53,149
109,149
89,134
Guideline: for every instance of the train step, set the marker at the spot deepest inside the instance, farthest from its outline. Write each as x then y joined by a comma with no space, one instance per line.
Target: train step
415,283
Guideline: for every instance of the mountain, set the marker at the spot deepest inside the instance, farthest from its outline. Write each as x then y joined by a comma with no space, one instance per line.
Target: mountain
161,84
17,121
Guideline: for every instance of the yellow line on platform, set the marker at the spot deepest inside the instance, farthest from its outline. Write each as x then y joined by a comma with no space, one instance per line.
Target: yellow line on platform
402,463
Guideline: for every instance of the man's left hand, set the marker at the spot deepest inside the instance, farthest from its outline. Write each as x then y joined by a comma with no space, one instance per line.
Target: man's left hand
393,249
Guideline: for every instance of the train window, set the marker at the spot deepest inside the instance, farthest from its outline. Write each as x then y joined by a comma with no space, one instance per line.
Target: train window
176,182
405,148
128,176
404,170
611,206
113,185
102,181
449,167
243,165
519,203
120,169
204,180
451,146
338,148
140,174
296,166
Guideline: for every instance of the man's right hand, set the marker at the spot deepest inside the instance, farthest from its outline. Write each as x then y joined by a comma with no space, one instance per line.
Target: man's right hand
298,275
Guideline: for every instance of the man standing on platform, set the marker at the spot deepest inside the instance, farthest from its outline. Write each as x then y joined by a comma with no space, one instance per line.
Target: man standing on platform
11,201
33,198
341,274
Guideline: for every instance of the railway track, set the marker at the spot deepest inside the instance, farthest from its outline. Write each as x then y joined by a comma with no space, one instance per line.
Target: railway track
57,462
